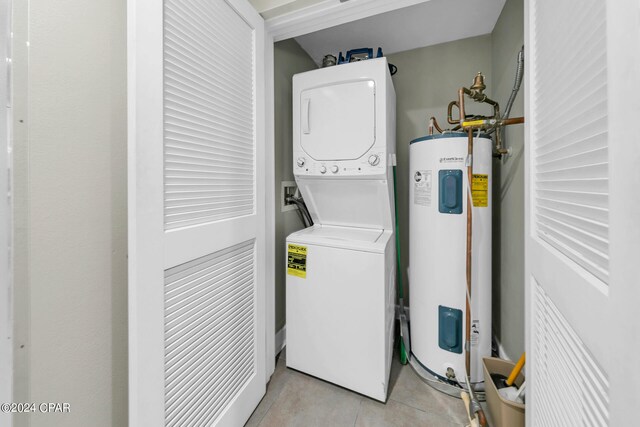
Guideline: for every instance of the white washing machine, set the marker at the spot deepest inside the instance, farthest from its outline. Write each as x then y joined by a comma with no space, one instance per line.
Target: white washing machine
341,272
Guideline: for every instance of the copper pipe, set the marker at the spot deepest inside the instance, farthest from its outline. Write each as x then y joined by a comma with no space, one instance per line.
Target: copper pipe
461,93
476,96
513,121
433,123
482,419
500,150
450,112
469,252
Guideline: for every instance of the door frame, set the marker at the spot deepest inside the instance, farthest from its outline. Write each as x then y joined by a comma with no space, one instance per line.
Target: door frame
624,207
624,233
6,279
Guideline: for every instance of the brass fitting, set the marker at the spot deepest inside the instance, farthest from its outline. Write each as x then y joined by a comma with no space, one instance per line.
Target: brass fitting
478,83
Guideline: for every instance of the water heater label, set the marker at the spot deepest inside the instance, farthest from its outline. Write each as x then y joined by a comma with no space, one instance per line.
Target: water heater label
475,333
297,261
422,188
480,190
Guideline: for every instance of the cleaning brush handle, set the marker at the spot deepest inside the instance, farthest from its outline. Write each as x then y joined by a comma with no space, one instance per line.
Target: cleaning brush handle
521,389
516,370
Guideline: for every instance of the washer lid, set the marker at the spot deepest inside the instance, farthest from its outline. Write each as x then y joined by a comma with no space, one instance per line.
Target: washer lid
362,239
337,121
343,233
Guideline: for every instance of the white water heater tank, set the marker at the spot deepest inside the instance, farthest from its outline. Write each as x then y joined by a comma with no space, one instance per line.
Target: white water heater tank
437,247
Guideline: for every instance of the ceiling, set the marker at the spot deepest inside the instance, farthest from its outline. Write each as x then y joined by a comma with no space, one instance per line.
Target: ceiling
428,23
271,8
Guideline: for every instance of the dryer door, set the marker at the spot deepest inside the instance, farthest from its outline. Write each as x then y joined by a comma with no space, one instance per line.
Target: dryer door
337,122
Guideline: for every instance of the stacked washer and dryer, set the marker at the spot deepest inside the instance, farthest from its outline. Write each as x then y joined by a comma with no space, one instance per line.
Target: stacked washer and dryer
340,285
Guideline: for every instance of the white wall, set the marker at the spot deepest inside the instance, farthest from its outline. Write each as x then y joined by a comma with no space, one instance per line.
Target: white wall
70,230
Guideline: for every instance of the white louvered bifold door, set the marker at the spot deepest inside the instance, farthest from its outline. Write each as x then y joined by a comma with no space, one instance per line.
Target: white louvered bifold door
582,209
197,212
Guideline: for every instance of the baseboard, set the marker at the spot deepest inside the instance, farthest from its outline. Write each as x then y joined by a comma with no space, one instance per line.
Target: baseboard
281,339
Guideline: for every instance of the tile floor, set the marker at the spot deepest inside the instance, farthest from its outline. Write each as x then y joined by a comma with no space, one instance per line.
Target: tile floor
296,399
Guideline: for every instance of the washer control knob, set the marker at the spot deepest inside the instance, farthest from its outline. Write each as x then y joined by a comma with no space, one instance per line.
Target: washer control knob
374,159
300,162
323,169
334,169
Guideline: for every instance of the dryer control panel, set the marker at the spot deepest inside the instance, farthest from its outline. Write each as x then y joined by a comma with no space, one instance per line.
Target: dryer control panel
372,163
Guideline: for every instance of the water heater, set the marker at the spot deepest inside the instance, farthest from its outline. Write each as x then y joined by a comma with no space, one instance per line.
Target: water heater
438,231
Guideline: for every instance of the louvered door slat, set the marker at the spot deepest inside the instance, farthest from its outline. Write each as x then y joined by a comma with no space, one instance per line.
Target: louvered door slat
195,146
586,82
209,327
584,158
197,17
598,185
185,92
582,397
573,143
209,114
586,171
183,160
596,228
571,153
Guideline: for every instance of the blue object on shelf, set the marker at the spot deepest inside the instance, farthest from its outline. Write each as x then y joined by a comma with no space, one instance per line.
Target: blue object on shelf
360,54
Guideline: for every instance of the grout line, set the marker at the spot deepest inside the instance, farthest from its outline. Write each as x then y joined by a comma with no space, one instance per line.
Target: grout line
444,416
410,406
358,413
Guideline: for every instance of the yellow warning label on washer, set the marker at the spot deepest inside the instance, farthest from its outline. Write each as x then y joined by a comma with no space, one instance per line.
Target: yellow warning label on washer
480,190
297,261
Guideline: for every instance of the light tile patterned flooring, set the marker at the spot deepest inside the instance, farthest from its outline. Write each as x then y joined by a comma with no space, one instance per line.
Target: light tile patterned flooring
296,399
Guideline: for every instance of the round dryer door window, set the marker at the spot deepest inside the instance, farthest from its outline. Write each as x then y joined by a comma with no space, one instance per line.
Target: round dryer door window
338,120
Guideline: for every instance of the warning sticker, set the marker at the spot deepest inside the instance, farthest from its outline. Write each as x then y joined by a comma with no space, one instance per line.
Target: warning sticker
475,333
422,188
297,261
480,190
